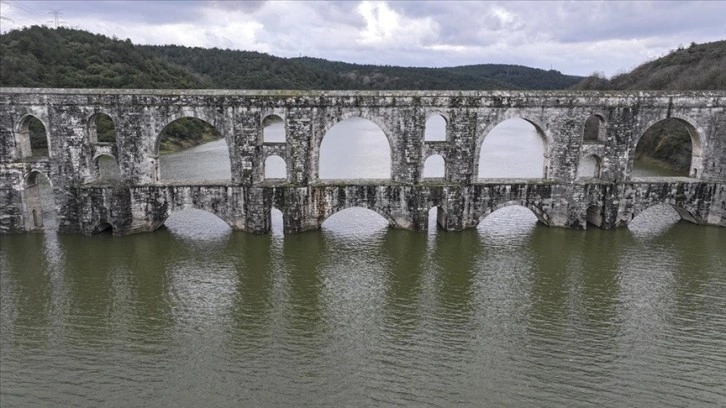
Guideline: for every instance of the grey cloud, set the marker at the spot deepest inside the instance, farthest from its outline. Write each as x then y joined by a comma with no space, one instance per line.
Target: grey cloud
542,34
248,7
149,12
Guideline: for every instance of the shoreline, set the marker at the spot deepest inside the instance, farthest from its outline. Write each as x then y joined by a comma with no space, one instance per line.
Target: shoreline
177,145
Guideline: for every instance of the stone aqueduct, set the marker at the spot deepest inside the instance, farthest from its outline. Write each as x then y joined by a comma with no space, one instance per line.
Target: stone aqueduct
141,202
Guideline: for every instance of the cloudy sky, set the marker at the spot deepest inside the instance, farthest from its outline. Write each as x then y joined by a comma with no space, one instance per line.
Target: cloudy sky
574,37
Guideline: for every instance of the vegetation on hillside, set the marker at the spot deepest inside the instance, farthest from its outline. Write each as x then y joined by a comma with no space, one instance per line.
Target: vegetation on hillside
667,142
253,70
185,133
67,58
105,130
698,67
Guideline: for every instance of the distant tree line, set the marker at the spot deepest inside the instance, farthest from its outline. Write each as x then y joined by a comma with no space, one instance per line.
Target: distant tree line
68,58
697,67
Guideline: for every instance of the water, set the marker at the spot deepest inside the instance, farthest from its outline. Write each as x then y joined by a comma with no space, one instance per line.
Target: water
513,149
510,314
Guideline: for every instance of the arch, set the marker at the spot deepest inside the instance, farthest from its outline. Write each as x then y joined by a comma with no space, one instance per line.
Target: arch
672,132
101,128
589,167
101,227
434,167
213,120
516,132
538,213
104,169
35,199
338,158
33,138
277,221
435,128
595,215
190,126
273,129
438,215
594,128
209,161
341,117
30,178
275,167
386,216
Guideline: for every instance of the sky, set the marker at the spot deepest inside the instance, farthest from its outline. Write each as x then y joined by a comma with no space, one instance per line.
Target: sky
573,37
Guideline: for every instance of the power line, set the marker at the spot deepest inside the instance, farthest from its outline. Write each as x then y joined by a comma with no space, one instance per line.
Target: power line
56,21
3,18
20,13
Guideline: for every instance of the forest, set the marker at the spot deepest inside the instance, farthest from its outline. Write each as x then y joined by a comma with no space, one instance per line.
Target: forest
39,56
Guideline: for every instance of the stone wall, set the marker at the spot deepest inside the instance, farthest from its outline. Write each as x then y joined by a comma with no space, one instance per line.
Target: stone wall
141,203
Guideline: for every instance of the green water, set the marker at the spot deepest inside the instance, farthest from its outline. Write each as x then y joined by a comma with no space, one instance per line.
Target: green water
510,314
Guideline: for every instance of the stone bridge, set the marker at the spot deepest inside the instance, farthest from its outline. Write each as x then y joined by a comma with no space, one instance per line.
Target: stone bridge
604,127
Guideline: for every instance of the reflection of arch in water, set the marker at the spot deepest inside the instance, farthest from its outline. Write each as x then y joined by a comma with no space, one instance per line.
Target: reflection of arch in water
682,212
331,137
196,222
675,122
540,215
337,212
480,154
435,128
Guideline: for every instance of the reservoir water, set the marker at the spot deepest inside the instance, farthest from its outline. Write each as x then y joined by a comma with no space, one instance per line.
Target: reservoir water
510,314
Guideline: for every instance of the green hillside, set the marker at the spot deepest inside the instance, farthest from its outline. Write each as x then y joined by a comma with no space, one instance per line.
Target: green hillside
69,58
253,70
698,67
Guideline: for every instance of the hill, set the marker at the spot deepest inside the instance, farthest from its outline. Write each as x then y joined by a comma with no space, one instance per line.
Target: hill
65,58
253,70
698,67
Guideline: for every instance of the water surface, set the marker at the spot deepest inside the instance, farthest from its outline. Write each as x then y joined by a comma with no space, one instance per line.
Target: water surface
356,314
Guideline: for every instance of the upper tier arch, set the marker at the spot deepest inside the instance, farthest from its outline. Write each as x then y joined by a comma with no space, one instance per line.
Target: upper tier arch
139,116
